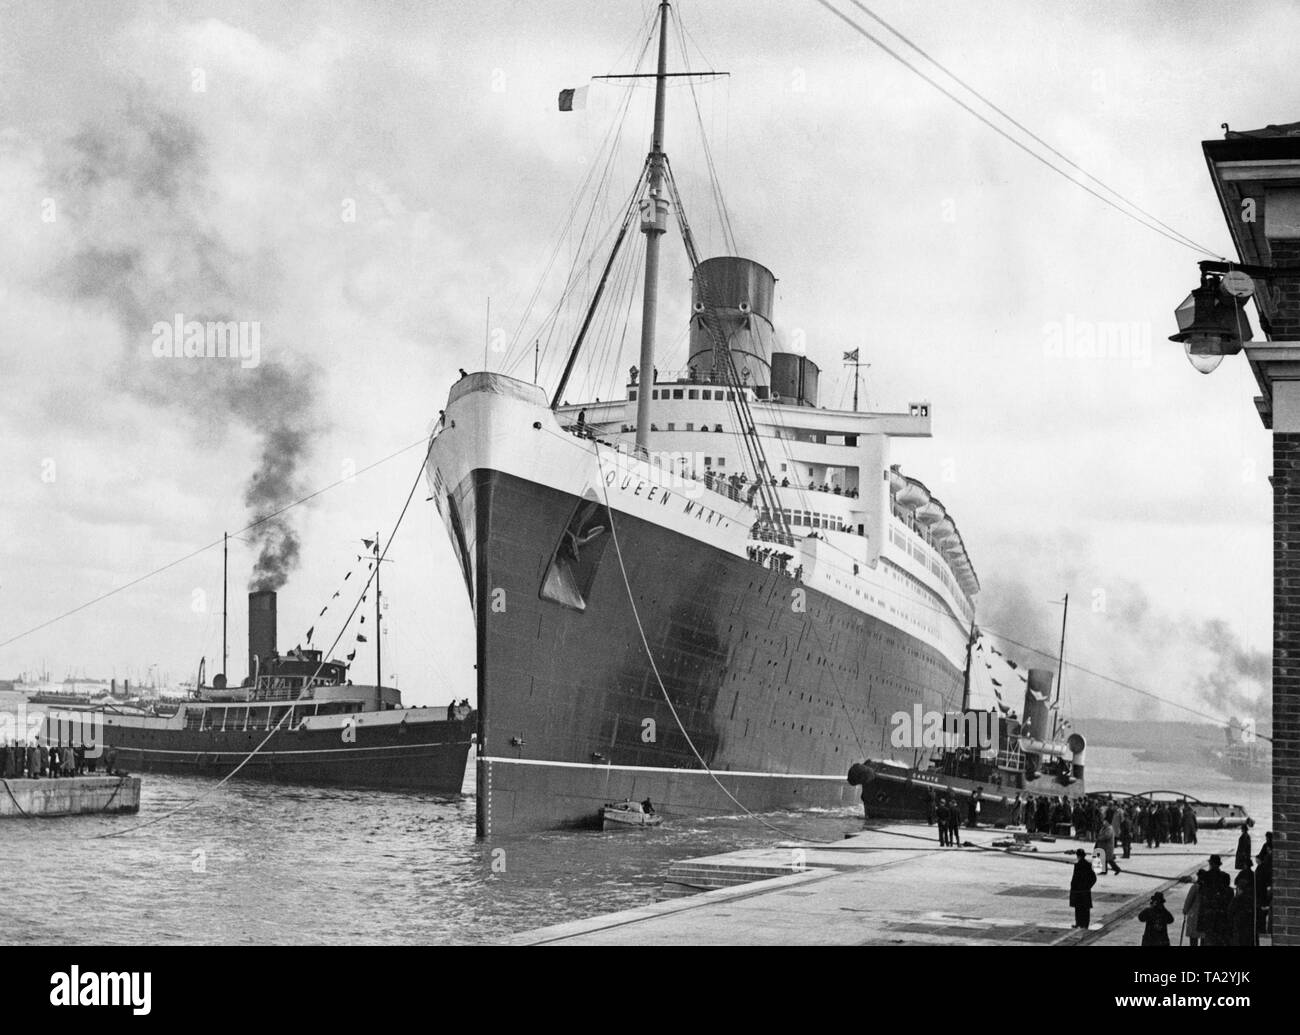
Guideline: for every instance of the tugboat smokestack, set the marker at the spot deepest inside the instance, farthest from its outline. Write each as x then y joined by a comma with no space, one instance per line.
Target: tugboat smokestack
261,628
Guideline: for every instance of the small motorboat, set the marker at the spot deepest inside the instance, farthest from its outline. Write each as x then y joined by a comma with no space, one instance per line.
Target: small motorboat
619,814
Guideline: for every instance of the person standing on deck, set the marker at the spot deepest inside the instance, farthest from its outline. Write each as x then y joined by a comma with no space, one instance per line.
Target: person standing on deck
1106,843
1157,919
1192,910
42,757
1125,832
1161,825
954,821
1241,911
1242,861
1081,883
974,808
1189,824
1215,897
941,818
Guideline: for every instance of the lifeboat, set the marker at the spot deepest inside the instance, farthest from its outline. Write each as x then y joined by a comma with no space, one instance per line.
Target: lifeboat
913,494
931,513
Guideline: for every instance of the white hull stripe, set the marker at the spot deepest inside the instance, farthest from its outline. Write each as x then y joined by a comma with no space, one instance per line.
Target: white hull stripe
719,773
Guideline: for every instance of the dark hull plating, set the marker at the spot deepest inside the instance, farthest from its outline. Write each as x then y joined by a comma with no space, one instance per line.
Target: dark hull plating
418,756
778,701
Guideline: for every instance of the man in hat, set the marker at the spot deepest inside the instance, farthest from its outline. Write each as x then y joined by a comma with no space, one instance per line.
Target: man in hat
954,821
1215,897
1243,847
1081,883
941,818
1157,919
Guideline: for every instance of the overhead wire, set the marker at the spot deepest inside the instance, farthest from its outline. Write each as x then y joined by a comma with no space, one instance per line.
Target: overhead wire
1177,239
1027,131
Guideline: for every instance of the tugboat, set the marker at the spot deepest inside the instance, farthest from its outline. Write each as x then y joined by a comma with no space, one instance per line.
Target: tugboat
297,719
1028,760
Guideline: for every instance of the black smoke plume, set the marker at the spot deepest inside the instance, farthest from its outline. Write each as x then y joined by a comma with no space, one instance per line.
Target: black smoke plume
147,244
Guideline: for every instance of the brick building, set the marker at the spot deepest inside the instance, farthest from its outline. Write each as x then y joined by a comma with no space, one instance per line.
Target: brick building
1257,177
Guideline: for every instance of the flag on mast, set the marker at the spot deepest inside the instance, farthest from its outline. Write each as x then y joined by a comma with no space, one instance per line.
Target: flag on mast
851,357
573,99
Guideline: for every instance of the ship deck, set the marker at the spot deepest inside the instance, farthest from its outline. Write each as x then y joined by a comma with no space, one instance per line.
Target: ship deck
893,885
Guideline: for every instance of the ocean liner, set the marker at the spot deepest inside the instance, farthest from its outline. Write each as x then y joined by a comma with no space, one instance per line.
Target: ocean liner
714,592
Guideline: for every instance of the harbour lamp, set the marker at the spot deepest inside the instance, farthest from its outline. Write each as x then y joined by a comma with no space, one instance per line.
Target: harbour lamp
1211,323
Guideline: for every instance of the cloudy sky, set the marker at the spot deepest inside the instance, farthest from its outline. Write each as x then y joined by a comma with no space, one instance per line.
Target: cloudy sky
358,179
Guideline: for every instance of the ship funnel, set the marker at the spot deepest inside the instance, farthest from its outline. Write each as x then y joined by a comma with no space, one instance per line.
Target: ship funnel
1036,719
261,628
732,307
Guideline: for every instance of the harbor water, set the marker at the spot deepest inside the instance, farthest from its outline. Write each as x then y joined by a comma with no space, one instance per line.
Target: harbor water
253,863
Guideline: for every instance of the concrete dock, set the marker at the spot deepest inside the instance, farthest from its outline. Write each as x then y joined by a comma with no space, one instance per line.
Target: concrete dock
68,796
894,885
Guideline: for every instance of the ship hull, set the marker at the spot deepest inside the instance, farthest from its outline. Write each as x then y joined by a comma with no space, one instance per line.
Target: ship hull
778,687
413,756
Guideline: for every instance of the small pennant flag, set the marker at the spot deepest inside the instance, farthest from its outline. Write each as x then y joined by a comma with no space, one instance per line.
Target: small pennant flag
370,543
309,632
361,638
363,619
996,683
347,576
1011,664
353,654
574,99
851,357
323,610
996,651
336,592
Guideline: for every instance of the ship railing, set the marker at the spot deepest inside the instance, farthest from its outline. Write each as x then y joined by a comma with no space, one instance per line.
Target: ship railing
768,534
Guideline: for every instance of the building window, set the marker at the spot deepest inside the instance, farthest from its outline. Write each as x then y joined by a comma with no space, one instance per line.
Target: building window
708,393
850,440
692,394
654,394
677,393
672,426
708,461
783,468
731,397
722,461
632,396
690,427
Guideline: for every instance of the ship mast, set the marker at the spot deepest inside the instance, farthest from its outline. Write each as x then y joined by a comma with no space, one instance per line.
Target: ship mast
1060,667
654,223
225,565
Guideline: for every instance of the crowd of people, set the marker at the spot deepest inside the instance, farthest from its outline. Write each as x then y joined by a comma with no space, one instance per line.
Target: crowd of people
1218,909
1129,819
37,759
